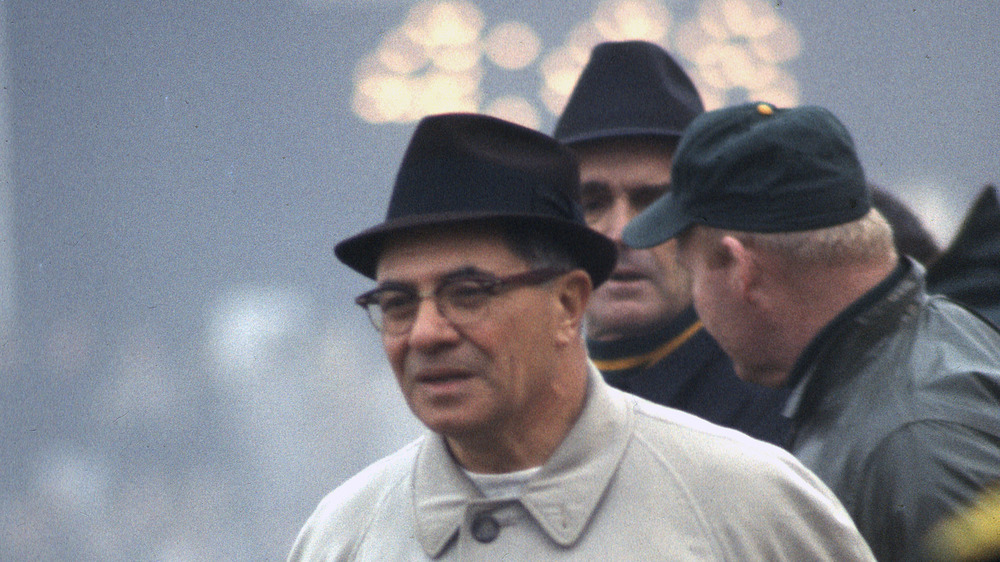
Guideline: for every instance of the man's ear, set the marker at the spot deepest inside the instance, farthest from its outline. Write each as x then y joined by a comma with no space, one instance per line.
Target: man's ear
745,271
573,294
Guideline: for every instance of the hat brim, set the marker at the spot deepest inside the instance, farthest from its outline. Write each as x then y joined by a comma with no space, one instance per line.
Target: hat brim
659,222
621,132
594,252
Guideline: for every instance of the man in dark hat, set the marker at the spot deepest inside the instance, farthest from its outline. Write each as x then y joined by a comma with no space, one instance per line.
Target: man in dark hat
623,119
483,268
894,393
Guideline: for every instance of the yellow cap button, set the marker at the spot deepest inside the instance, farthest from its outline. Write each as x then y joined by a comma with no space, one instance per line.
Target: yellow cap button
765,109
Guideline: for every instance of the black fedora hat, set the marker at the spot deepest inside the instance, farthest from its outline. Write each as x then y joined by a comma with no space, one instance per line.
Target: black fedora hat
465,168
629,88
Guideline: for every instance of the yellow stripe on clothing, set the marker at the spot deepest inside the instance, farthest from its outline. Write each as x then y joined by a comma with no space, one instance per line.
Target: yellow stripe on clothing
647,359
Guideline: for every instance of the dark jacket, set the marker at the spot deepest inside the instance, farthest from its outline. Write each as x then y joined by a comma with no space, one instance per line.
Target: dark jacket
681,366
896,406
969,269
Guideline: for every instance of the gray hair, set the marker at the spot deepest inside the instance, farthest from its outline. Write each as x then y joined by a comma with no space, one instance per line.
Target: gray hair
864,240
536,247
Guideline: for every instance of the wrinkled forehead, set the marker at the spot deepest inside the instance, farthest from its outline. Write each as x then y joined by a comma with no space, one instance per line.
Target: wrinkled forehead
627,163
428,253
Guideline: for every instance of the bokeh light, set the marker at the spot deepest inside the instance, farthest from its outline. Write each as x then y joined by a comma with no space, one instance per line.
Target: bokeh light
438,58
514,109
617,20
432,63
736,49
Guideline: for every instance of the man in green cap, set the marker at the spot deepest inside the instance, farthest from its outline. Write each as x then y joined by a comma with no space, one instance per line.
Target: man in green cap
894,393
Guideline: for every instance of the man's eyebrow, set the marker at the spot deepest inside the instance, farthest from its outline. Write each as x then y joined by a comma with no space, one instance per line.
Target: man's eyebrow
594,185
392,285
460,273
463,272
659,187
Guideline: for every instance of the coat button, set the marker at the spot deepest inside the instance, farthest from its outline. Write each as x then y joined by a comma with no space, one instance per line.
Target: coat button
485,528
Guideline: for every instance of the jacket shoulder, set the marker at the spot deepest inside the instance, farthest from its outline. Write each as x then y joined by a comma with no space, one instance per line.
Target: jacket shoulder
742,487
954,354
342,518
696,440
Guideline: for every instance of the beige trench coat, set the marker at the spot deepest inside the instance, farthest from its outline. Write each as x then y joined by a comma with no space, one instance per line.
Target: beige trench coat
632,481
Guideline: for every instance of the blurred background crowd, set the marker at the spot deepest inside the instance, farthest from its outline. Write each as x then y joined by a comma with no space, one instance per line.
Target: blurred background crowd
183,371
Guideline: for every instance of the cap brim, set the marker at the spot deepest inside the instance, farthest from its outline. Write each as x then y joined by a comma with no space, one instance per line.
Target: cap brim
659,222
594,252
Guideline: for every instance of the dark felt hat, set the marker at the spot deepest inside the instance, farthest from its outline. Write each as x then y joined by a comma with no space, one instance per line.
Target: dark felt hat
464,168
758,168
629,88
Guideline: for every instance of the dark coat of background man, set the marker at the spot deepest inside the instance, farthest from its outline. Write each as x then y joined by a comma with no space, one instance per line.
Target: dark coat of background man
623,119
968,269
483,268
895,394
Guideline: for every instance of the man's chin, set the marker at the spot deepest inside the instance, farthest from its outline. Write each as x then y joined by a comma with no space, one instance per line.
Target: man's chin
769,377
623,289
614,298
609,321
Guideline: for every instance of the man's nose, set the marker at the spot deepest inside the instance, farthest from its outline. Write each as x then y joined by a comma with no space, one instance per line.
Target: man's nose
430,328
617,217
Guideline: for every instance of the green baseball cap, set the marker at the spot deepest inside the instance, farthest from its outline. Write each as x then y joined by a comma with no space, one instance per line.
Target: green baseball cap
758,168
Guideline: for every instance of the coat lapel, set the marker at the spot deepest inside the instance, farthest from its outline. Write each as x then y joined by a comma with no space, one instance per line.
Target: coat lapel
563,495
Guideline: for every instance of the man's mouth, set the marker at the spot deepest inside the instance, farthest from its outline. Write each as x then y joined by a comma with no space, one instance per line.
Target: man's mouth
626,275
436,377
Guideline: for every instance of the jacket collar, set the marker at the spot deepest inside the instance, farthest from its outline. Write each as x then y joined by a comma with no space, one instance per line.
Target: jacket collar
867,319
561,497
627,355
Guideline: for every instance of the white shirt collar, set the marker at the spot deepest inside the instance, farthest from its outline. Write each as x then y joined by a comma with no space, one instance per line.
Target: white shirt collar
561,496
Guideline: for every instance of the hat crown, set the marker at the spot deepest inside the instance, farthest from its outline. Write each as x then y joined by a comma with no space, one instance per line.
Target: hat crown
779,170
461,168
629,88
466,163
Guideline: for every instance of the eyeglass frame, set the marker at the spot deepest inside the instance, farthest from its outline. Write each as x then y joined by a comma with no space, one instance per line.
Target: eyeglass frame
492,286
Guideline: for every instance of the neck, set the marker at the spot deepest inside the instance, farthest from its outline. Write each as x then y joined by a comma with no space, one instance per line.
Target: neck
526,445
809,355
811,304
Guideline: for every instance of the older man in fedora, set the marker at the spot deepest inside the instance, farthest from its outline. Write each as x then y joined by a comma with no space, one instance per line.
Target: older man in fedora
895,394
628,109
483,269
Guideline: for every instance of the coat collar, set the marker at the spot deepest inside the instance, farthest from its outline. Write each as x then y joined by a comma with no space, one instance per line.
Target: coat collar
868,319
627,356
561,497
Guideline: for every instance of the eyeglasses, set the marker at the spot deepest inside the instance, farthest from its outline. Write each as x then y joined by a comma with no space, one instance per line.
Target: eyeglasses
460,299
